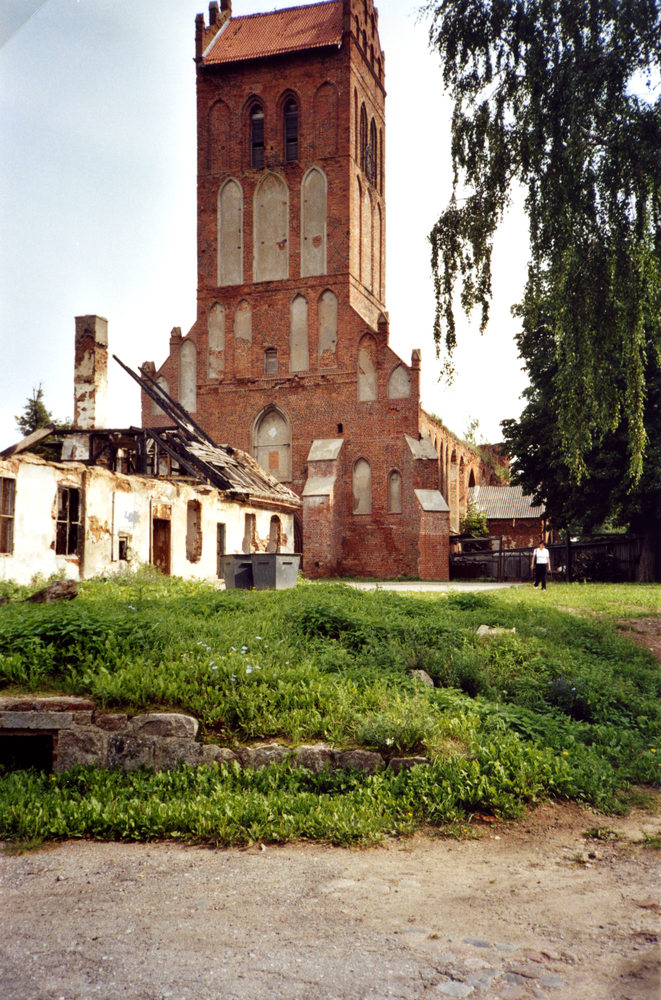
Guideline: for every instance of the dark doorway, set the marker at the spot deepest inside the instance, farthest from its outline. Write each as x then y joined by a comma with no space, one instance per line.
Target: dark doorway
19,752
161,553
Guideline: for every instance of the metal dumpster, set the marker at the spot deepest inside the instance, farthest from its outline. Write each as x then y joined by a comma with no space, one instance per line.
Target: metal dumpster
275,570
237,570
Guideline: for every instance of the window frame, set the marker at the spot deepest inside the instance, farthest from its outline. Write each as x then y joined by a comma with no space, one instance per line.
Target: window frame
67,529
7,514
257,137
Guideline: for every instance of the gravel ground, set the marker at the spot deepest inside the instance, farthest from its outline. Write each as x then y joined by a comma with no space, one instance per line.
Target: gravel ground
511,916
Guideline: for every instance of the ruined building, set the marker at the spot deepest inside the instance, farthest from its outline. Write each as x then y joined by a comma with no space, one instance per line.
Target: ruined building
289,356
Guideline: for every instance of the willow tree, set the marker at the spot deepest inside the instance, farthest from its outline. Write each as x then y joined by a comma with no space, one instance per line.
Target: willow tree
560,98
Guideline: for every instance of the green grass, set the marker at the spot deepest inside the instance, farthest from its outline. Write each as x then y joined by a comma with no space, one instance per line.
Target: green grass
564,706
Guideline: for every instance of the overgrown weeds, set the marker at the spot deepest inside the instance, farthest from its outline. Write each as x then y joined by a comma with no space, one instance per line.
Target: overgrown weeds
561,706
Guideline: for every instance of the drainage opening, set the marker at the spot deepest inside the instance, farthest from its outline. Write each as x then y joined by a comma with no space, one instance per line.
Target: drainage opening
19,753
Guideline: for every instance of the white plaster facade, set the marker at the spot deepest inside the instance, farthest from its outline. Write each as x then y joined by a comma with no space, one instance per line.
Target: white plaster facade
117,515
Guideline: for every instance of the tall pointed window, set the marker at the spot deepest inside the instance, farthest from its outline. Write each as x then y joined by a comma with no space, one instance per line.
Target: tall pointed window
257,137
363,136
291,131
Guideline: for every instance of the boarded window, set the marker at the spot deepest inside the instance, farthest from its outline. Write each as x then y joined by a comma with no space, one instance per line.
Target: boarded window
327,316
194,531
7,498
165,385
220,549
257,138
299,354
67,525
313,223
394,492
271,361
291,131
230,234
362,487
367,378
399,383
272,444
243,340
271,230
216,328
219,137
188,376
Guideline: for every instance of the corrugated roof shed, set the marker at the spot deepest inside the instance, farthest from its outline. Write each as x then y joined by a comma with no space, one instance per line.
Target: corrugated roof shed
506,502
293,30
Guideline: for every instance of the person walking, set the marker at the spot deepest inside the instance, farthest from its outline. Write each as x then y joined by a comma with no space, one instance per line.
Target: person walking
541,560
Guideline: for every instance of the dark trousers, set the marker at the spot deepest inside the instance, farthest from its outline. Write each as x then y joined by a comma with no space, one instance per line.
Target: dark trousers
540,574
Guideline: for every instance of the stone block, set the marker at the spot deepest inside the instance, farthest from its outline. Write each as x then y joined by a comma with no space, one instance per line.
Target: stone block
422,675
51,720
405,763
362,760
130,752
111,722
315,757
169,753
85,747
165,724
256,757
212,754
16,704
81,718
63,703
16,720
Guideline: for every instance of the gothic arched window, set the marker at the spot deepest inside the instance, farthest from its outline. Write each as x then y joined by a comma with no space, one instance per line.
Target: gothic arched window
291,131
257,137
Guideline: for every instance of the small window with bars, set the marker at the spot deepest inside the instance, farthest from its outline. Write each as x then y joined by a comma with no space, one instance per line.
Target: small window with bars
291,131
67,526
7,495
271,361
257,137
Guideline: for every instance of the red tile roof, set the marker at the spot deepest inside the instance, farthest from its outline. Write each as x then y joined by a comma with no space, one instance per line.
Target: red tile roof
291,30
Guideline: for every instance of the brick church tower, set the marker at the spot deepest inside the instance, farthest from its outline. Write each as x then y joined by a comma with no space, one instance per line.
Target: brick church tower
289,356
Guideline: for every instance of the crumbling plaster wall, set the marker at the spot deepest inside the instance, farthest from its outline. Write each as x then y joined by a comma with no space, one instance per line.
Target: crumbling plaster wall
116,506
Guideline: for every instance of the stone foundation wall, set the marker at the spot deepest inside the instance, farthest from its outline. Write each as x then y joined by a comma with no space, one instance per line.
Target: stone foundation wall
161,740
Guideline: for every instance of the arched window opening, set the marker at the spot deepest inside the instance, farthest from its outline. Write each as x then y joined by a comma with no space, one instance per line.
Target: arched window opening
257,137
291,131
362,487
155,408
271,229
271,361
327,331
363,136
272,443
370,155
216,332
395,492
243,340
314,211
471,480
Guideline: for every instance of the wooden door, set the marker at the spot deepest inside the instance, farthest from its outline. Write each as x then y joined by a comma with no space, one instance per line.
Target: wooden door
161,546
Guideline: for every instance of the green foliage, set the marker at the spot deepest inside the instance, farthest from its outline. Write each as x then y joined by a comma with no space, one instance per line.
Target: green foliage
560,99
562,706
475,521
34,417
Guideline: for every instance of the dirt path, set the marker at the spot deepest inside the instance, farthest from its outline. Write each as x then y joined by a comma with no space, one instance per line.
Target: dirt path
512,916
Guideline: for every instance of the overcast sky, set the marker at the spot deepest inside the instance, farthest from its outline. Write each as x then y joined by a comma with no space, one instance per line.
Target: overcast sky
98,214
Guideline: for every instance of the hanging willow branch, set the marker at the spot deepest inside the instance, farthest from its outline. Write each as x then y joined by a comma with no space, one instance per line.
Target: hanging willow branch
559,96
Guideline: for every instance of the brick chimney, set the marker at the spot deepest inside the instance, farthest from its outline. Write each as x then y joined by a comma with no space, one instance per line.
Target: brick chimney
90,373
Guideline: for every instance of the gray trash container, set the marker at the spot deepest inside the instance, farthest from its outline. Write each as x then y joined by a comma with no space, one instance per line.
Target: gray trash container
275,570
237,570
